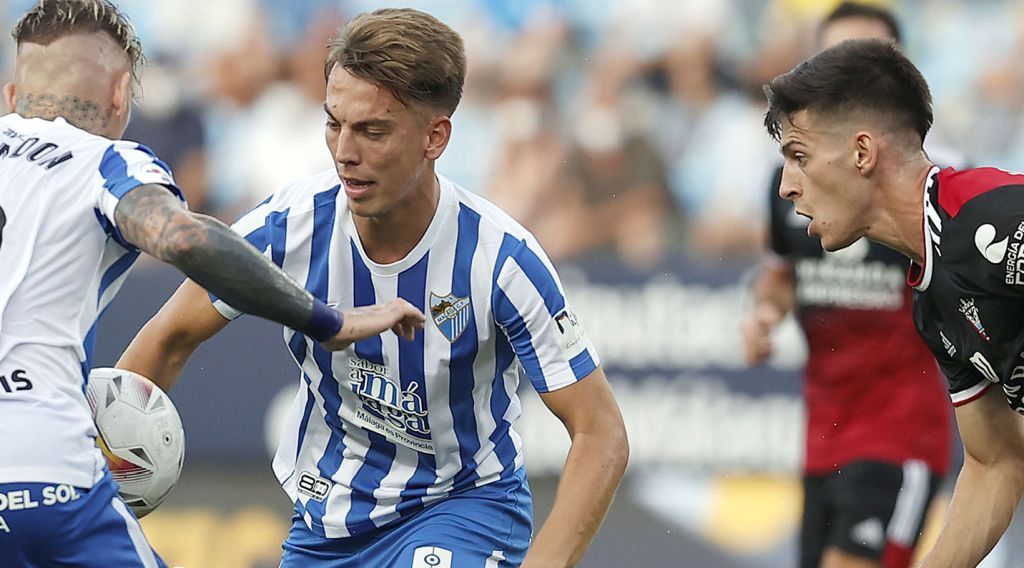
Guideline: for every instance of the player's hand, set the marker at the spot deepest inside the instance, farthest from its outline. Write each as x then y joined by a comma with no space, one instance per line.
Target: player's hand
756,330
397,315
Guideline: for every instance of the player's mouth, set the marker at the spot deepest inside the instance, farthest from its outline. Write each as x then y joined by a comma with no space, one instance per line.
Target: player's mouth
809,224
356,187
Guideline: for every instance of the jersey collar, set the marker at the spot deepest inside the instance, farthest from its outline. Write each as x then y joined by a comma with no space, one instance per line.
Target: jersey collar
920,276
441,215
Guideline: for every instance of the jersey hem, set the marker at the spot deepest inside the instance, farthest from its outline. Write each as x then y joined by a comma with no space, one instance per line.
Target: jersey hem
49,475
971,394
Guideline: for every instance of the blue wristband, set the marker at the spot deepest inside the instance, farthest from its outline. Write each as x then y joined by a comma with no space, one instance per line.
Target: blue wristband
324,323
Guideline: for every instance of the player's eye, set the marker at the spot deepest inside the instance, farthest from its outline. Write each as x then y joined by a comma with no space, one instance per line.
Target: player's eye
332,125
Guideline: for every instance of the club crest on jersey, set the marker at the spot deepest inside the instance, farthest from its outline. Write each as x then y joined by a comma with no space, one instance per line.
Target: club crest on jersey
451,314
970,311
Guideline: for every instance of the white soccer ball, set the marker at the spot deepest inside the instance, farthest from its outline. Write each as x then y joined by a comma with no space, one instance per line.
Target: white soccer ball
140,435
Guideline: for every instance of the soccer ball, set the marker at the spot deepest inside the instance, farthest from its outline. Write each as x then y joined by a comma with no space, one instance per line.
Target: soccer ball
140,434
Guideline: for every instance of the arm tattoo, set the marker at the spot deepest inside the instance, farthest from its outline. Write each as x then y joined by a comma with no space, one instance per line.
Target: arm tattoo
87,115
210,253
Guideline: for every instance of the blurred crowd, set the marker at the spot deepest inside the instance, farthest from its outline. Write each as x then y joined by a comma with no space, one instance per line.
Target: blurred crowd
624,127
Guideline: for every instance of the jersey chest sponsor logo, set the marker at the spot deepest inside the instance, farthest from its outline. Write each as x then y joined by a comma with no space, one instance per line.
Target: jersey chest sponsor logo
1014,267
451,314
397,413
985,240
848,280
970,312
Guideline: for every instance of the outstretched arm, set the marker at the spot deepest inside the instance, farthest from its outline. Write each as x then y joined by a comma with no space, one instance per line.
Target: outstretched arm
990,483
595,466
167,341
212,255
774,293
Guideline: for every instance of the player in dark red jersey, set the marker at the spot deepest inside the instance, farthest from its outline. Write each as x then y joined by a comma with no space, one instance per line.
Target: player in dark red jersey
851,122
878,430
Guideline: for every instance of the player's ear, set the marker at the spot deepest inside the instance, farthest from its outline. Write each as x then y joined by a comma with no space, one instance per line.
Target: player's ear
865,153
438,136
122,95
9,96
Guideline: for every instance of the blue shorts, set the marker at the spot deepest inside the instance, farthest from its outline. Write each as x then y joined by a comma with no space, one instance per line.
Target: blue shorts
483,527
49,524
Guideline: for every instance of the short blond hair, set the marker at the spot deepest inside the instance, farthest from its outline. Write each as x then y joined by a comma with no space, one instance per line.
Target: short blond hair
412,54
51,20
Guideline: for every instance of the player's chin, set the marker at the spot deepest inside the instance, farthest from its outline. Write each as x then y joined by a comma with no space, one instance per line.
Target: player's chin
832,242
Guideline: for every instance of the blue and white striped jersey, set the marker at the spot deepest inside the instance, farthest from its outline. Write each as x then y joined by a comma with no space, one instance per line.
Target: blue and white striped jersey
63,261
387,426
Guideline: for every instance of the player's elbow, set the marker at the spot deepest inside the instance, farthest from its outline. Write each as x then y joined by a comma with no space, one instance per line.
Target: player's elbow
616,443
185,240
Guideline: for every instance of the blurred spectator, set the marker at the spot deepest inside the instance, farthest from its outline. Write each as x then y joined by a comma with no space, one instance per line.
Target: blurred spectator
719,156
172,126
531,154
616,192
237,76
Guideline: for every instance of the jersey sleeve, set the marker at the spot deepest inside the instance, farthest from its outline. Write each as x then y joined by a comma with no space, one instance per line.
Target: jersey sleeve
264,229
124,167
529,305
966,381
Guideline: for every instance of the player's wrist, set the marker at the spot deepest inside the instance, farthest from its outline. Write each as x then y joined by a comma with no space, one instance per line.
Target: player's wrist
324,323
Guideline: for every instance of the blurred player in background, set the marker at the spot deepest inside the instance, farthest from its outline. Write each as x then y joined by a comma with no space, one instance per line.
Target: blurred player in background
404,454
878,429
851,122
76,207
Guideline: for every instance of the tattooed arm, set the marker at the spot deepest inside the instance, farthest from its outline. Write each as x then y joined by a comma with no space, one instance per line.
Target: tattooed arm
211,254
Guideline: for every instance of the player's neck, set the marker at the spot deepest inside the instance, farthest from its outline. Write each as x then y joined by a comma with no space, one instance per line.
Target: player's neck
81,112
899,224
391,237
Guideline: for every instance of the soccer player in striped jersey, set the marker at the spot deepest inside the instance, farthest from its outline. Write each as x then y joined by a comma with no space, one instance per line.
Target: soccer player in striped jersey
851,122
405,454
76,207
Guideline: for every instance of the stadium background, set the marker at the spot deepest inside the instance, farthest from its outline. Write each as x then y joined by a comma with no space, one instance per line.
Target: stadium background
627,135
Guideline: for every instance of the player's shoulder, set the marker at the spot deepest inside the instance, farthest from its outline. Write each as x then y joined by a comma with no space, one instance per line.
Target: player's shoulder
494,221
981,187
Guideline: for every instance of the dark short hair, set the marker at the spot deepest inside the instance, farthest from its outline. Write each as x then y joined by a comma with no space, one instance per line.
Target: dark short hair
412,54
50,20
862,75
859,10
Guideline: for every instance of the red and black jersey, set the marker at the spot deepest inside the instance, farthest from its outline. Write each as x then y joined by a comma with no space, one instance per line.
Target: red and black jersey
873,390
969,292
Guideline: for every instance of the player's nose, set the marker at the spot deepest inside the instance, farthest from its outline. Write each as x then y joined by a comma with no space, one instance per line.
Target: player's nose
790,187
346,151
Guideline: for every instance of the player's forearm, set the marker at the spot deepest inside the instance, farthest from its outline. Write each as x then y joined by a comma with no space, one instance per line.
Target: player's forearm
983,503
775,286
156,356
593,470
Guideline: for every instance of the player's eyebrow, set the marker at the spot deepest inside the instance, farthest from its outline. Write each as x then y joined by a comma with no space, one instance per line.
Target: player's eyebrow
786,148
369,123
